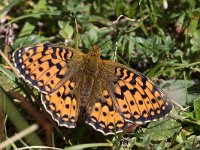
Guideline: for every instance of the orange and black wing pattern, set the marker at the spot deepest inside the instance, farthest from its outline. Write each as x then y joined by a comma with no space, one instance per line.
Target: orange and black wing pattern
45,66
136,98
62,105
103,116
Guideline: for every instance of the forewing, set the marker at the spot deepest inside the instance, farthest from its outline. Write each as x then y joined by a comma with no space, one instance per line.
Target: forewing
62,105
46,66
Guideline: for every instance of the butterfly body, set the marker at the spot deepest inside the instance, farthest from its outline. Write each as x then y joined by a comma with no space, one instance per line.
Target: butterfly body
112,95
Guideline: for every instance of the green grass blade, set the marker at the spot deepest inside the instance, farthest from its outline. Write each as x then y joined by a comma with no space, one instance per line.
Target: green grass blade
17,119
33,15
7,8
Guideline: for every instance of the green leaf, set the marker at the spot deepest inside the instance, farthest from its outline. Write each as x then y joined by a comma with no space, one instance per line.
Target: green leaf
10,75
134,142
147,140
176,89
154,59
61,24
31,23
66,29
6,79
27,29
40,6
178,53
162,129
161,146
197,109
91,37
194,22
195,41
28,40
190,142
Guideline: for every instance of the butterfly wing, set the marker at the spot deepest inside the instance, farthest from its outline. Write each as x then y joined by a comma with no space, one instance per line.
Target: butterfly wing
62,105
47,66
103,116
124,97
136,98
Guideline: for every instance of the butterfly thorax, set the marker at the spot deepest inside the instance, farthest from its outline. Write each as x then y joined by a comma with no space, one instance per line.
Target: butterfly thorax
92,60
92,65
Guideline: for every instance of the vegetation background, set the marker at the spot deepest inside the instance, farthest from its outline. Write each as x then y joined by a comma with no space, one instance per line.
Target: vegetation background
160,38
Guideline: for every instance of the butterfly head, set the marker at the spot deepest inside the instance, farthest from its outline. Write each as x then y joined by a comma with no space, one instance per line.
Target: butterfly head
94,52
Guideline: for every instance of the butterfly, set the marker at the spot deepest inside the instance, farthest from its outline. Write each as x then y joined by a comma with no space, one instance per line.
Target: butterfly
112,95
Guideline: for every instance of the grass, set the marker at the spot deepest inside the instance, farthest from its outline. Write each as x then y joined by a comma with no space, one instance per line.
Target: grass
159,38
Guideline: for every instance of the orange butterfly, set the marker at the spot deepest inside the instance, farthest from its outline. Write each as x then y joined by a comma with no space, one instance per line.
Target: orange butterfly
113,95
